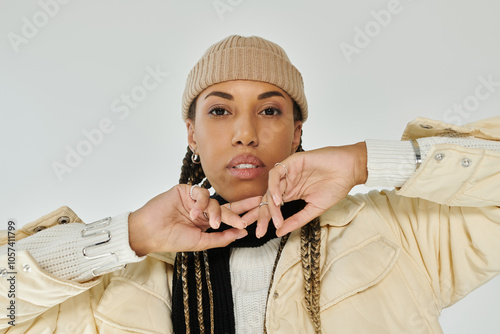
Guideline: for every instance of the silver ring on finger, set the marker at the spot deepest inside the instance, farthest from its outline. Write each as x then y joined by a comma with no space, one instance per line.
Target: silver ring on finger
229,206
191,191
263,203
286,169
206,216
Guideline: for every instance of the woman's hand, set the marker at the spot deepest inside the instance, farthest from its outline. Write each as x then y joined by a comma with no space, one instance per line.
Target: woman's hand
320,177
175,222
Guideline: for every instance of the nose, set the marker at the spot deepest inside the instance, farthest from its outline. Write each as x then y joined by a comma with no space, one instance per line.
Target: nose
245,131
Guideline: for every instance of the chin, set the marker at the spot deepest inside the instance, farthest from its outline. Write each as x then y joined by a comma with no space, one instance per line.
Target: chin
242,192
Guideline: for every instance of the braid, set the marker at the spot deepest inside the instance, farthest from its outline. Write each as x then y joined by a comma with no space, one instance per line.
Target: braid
186,168
178,261
315,245
192,173
305,256
185,294
299,148
210,291
199,292
310,246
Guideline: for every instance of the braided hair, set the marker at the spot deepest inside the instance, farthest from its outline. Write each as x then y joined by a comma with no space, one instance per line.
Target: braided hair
310,241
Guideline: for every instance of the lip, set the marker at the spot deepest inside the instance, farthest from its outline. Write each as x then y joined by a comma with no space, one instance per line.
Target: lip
239,166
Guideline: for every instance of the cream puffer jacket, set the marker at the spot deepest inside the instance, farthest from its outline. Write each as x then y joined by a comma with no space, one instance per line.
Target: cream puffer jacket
390,262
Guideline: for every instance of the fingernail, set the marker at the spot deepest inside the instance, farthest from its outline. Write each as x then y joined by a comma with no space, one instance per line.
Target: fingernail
217,222
276,200
244,223
242,234
276,222
258,234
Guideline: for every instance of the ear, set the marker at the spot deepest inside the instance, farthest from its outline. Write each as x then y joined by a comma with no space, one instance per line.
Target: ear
297,133
190,135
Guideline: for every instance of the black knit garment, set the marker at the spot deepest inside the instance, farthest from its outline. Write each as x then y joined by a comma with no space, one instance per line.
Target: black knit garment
218,259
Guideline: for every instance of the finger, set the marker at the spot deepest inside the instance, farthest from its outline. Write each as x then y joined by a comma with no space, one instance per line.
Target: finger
232,219
275,213
299,219
278,178
214,213
219,239
251,216
264,216
201,197
277,184
244,205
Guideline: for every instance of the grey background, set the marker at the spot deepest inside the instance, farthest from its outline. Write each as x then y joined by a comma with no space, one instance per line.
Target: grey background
66,75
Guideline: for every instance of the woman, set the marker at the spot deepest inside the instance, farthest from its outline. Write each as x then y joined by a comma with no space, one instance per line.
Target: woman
384,262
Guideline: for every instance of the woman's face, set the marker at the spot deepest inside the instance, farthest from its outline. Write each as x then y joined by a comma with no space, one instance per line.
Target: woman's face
241,129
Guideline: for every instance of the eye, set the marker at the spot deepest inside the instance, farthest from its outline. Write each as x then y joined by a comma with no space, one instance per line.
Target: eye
271,112
218,111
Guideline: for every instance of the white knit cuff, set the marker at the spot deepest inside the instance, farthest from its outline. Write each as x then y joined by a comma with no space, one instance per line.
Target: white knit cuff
79,252
390,162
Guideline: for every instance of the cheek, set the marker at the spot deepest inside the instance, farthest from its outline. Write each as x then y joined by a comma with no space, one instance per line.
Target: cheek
277,135
206,138
211,148
207,149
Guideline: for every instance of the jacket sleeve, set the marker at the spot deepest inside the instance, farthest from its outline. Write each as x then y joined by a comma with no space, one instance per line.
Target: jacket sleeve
457,176
454,175
446,216
32,291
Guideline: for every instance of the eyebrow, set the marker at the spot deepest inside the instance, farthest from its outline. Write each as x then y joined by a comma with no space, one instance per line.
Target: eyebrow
220,94
267,95
262,96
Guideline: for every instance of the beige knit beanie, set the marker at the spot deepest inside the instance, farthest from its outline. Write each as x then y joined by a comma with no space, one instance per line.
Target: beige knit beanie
244,58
